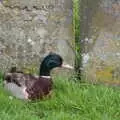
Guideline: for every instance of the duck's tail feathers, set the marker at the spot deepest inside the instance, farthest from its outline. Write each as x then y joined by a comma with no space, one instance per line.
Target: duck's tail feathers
13,69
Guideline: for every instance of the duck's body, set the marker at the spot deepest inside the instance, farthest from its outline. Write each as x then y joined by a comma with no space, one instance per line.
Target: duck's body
27,86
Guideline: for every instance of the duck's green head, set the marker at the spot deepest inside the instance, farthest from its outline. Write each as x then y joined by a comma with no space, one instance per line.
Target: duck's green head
51,61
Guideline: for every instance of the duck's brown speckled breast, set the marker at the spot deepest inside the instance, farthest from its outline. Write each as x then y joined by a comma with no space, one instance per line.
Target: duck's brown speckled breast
40,88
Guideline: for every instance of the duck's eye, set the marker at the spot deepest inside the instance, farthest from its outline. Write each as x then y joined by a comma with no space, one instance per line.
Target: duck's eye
52,64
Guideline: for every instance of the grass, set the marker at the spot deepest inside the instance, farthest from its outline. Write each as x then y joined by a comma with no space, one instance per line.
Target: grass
76,24
70,101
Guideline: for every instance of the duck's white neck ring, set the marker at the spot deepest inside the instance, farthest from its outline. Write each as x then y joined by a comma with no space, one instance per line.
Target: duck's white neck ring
46,76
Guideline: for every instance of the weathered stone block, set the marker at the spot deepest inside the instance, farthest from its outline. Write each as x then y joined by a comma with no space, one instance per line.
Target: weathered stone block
30,29
100,35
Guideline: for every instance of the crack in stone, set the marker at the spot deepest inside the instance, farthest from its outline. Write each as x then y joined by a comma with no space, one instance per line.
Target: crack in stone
42,7
18,7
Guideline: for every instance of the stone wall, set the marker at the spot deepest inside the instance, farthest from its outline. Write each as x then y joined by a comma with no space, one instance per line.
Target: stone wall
100,37
30,29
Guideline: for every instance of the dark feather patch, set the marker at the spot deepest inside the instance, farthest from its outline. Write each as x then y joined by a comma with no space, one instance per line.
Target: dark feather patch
40,88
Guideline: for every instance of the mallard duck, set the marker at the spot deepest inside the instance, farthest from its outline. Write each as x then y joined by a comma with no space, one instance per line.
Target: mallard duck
30,87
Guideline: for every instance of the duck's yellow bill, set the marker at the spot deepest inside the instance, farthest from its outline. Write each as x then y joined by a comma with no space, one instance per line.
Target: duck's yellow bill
67,66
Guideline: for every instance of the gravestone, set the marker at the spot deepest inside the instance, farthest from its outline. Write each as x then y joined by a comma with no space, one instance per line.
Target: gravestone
100,40
30,29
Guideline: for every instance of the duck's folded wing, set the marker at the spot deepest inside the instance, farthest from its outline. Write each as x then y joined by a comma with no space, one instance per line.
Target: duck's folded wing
21,79
16,78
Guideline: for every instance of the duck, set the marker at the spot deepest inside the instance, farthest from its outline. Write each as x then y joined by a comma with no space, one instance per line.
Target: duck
31,87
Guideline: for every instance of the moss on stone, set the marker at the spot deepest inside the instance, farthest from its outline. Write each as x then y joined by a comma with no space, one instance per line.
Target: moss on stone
106,76
32,69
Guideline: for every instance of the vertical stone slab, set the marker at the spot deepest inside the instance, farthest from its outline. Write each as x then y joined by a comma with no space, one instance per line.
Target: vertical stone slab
100,35
30,29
